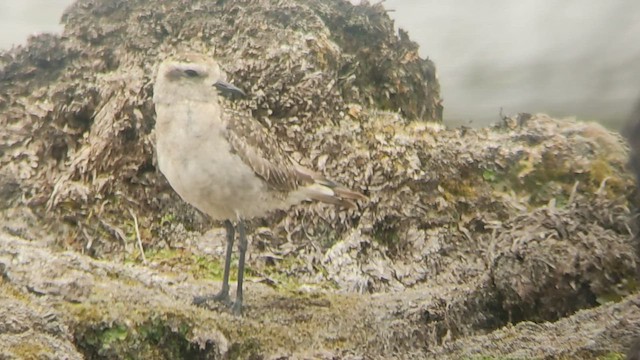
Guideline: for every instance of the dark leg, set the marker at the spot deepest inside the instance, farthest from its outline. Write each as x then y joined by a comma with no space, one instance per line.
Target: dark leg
242,246
223,295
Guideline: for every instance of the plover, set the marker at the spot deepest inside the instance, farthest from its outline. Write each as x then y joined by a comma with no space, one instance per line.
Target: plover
224,162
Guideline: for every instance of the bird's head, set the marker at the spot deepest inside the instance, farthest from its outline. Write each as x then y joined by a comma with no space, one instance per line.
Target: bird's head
193,77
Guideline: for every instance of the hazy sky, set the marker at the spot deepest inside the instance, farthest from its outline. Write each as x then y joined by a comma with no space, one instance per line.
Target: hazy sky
571,57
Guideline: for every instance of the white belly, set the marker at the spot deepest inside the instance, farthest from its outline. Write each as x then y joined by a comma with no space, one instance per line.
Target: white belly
195,158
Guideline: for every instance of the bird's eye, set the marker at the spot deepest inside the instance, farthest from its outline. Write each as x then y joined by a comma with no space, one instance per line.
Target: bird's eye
191,73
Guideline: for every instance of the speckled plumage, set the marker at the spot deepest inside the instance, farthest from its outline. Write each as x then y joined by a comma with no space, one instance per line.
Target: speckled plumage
222,161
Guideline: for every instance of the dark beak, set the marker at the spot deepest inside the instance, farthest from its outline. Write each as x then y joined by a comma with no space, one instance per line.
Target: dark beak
227,89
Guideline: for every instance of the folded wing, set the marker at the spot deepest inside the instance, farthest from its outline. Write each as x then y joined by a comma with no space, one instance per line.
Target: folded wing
261,152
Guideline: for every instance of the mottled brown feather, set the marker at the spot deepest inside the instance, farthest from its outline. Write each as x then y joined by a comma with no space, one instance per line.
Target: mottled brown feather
258,149
253,144
339,190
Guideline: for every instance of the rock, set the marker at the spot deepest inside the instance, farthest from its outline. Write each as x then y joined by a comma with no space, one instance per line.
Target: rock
31,330
77,111
466,232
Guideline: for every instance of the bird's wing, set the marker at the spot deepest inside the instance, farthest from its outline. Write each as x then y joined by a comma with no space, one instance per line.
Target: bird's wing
260,151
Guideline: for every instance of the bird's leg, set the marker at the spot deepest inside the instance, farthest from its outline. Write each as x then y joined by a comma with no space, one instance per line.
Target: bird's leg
223,295
242,247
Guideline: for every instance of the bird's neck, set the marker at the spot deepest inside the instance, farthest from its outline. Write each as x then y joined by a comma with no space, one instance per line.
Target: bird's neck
192,118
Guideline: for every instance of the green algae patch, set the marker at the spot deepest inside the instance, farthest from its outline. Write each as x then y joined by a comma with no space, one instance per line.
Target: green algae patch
542,178
281,276
489,175
612,356
207,267
604,175
153,339
586,161
131,331
616,293
200,266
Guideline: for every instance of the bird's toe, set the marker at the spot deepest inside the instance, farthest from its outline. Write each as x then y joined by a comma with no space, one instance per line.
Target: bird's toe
236,309
221,297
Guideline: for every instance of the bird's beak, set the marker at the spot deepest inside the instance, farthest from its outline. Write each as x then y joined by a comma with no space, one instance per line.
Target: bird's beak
228,89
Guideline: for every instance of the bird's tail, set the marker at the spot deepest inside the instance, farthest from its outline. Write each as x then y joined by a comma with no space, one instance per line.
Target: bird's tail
327,191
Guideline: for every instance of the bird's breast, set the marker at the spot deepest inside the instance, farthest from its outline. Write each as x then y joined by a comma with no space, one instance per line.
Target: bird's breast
196,158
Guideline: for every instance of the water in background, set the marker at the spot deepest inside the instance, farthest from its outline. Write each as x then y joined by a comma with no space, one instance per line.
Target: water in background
574,57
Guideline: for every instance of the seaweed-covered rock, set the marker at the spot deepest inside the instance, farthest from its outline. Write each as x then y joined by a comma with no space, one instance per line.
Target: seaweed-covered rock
510,240
77,116
606,332
465,231
31,330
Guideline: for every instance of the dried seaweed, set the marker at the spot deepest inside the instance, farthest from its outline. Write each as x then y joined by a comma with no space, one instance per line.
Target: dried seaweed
527,220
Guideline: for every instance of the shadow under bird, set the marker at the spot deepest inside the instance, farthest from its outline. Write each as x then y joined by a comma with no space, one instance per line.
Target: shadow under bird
224,162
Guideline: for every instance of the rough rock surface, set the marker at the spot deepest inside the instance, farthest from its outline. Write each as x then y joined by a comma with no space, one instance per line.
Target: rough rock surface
78,107
467,231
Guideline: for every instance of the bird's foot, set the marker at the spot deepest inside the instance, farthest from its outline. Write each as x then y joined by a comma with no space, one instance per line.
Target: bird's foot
236,309
221,297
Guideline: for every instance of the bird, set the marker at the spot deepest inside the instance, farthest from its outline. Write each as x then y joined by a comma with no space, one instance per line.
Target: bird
224,162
